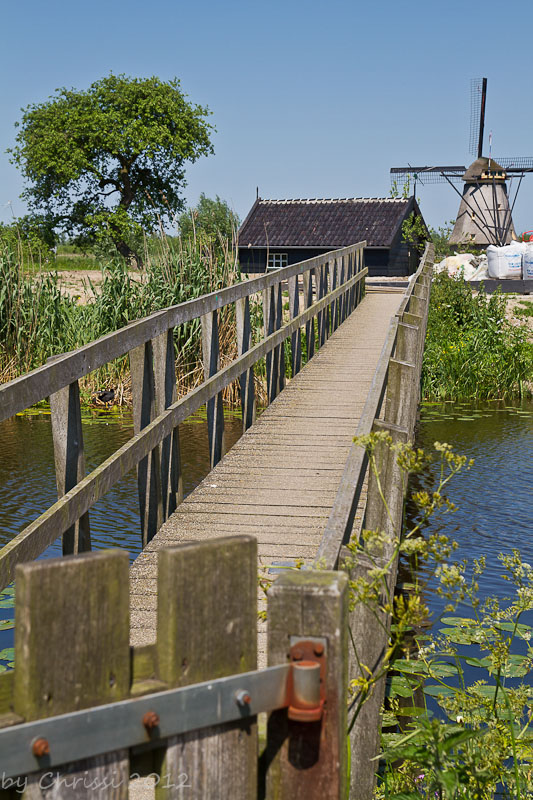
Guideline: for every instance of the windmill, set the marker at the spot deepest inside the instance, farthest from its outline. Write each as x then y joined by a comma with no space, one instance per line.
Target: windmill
486,207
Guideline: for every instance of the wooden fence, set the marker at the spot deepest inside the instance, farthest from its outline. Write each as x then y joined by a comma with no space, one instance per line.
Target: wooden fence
331,286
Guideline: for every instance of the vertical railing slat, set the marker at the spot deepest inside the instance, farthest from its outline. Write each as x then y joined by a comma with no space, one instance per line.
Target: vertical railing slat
308,302
67,434
335,309
296,338
244,342
280,348
148,469
165,395
215,410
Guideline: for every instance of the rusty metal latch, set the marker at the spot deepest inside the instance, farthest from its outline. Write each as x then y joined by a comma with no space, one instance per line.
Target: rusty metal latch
308,679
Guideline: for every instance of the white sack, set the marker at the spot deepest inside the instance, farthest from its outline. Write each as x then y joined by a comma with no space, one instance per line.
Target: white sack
527,262
505,262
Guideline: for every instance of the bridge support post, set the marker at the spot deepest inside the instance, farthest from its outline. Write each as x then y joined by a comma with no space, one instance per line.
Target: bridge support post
149,468
67,435
215,410
165,395
296,337
307,278
244,342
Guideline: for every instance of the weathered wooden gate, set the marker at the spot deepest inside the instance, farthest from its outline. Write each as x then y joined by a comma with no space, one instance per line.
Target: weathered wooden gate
82,712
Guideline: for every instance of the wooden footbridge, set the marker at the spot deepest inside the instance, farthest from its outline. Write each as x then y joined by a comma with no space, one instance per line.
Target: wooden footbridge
341,361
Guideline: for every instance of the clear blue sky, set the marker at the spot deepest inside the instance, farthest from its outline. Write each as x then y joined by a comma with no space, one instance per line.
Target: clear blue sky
309,98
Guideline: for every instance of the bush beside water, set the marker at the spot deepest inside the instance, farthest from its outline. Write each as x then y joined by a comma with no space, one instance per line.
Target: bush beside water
472,350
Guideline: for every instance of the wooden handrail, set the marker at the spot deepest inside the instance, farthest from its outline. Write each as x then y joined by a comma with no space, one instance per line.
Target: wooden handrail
340,522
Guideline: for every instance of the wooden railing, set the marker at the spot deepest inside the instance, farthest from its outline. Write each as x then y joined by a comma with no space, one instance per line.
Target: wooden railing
391,406
331,284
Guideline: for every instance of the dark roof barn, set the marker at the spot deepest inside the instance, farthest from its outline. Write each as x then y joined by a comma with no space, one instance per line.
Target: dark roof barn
299,226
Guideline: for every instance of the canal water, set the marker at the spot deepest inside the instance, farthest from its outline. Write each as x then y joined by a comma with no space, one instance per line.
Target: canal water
494,498
27,482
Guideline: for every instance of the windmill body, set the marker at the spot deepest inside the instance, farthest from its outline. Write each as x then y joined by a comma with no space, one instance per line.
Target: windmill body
484,215
485,209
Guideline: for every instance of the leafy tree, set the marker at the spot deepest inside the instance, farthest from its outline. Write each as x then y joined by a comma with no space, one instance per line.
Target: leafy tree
212,223
108,162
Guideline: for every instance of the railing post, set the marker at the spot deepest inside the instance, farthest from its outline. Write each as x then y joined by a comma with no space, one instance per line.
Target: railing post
67,434
215,410
204,634
148,469
353,269
244,342
169,449
335,308
72,652
343,277
275,360
308,759
296,338
322,315
308,302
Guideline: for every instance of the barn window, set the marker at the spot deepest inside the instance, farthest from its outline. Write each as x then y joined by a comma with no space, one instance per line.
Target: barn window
277,260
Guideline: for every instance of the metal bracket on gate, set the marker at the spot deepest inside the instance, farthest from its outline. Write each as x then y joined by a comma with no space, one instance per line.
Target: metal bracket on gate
308,679
150,719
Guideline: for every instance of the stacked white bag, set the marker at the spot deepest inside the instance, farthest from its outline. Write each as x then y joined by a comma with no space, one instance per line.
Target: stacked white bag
527,262
506,262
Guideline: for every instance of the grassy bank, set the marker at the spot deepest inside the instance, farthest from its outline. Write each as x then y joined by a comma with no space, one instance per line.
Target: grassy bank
472,350
37,319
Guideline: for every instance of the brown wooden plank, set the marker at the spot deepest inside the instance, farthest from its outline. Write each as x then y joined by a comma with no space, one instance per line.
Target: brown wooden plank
213,636
72,652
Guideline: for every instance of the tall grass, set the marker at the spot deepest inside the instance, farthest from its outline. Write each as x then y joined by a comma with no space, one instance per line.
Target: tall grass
37,320
472,350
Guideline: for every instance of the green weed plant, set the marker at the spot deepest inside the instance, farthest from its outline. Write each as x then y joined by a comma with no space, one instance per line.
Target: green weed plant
447,733
472,351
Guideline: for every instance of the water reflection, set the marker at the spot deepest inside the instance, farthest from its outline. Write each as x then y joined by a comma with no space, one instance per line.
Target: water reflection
27,477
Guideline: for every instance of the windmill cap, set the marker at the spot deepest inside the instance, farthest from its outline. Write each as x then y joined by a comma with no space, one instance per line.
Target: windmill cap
480,170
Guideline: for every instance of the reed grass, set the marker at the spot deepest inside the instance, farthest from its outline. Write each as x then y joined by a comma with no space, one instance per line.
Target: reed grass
38,320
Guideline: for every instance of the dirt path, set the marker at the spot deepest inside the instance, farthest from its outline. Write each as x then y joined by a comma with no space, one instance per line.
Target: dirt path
82,284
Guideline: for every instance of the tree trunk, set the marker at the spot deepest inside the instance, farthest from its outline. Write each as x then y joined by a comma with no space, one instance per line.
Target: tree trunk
134,260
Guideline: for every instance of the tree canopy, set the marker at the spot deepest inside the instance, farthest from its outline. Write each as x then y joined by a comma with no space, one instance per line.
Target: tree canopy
211,222
109,162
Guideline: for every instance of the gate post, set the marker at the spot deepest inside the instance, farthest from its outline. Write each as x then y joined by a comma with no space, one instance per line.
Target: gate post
306,760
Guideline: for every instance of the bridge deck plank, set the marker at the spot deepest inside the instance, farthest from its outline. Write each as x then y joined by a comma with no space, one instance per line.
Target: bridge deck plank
279,481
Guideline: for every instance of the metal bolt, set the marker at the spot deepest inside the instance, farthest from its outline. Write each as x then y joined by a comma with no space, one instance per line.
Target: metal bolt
150,720
318,649
40,747
297,654
242,698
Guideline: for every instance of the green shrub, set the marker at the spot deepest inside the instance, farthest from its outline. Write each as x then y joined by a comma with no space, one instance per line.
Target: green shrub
472,351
